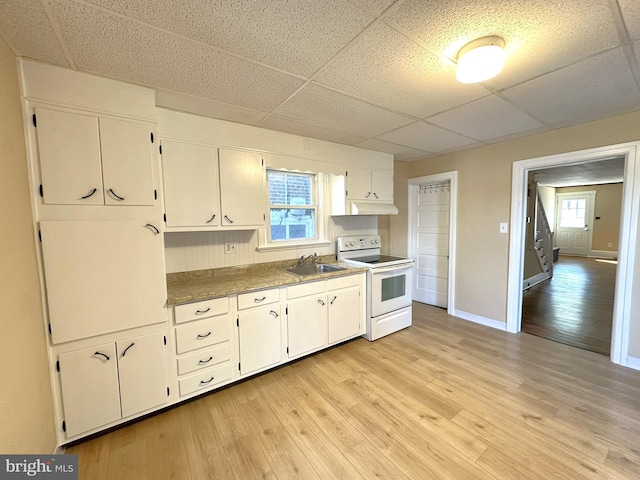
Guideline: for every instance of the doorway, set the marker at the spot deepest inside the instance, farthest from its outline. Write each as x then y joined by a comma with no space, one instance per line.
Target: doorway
625,274
574,222
432,216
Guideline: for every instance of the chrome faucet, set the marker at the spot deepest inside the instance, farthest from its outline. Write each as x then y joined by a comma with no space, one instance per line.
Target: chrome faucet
313,258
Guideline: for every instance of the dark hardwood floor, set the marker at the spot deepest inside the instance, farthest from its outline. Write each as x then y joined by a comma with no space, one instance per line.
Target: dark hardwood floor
575,307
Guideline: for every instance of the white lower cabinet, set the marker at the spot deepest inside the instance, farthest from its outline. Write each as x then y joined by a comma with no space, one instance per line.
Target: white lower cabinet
115,380
259,330
203,344
322,313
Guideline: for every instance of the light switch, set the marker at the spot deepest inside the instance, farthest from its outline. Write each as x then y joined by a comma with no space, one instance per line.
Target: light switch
504,227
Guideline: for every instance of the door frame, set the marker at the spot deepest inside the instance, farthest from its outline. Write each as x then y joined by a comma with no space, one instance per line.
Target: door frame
625,274
413,187
591,213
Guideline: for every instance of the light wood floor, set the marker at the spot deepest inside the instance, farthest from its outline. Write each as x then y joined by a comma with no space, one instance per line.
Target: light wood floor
443,399
574,307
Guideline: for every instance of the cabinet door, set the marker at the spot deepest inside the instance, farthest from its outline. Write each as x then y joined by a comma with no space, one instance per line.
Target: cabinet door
141,371
190,174
307,324
69,150
127,162
260,338
359,184
102,277
344,314
242,194
89,381
382,185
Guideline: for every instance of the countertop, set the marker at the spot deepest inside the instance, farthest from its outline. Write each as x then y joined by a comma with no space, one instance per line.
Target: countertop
186,287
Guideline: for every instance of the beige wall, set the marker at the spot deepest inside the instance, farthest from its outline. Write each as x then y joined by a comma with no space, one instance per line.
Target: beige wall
484,198
608,207
26,408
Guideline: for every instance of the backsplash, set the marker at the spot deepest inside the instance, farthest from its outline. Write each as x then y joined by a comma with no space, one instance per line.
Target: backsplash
187,251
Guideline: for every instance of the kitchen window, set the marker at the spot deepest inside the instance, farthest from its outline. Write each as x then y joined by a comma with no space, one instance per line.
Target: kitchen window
293,206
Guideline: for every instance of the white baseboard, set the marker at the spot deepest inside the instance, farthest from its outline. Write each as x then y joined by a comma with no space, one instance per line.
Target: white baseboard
536,279
633,362
488,322
602,254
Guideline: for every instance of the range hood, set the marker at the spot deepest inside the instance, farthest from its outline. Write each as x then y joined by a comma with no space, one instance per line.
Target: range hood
372,208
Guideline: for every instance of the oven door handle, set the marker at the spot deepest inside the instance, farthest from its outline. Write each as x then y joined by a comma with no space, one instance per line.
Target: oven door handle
393,268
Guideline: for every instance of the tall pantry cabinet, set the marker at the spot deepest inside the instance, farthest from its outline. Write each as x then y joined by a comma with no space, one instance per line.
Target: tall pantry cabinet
94,173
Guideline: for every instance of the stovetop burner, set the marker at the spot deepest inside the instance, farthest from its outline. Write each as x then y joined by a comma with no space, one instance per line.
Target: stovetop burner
377,259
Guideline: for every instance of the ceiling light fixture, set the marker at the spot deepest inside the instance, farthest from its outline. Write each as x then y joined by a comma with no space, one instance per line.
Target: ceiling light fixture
480,60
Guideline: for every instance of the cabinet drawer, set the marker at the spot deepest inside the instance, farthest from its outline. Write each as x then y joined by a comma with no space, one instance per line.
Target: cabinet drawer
343,282
202,334
204,309
256,299
204,358
304,289
206,379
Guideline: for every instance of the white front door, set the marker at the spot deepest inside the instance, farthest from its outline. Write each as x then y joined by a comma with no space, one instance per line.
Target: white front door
573,222
430,232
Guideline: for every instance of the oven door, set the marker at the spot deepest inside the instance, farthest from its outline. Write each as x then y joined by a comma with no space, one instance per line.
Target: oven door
391,288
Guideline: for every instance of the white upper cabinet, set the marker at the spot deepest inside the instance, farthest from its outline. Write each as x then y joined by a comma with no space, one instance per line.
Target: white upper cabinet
91,286
371,185
209,187
242,194
90,160
190,174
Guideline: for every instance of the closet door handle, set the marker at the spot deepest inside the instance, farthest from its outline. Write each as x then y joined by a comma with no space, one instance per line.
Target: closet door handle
114,194
89,194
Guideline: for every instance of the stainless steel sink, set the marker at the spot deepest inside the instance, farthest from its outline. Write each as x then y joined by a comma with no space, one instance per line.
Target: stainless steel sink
314,269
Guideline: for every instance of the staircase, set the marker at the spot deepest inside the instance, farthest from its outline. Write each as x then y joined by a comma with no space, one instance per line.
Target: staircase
543,241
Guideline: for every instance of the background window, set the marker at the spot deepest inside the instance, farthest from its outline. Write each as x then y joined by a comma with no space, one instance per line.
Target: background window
573,213
292,205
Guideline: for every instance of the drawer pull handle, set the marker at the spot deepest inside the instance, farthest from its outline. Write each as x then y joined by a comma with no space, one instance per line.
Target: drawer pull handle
204,362
115,195
275,314
103,354
200,337
127,349
258,300
228,219
333,300
89,194
211,219
321,302
205,382
202,312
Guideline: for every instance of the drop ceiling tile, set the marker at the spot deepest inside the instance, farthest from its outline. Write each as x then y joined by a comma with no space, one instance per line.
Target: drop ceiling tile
331,110
400,152
386,68
377,6
631,16
485,119
282,124
208,108
25,27
298,36
114,46
427,137
600,86
540,36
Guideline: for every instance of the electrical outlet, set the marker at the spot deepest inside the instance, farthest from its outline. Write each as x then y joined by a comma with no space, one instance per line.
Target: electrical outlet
230,247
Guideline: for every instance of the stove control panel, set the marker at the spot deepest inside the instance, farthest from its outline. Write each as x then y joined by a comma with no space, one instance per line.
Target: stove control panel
358,242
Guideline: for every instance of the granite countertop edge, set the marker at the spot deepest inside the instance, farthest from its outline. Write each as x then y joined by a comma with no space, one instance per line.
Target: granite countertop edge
188,287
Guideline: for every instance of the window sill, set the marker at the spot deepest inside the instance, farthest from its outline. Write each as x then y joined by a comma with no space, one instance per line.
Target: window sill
293,246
